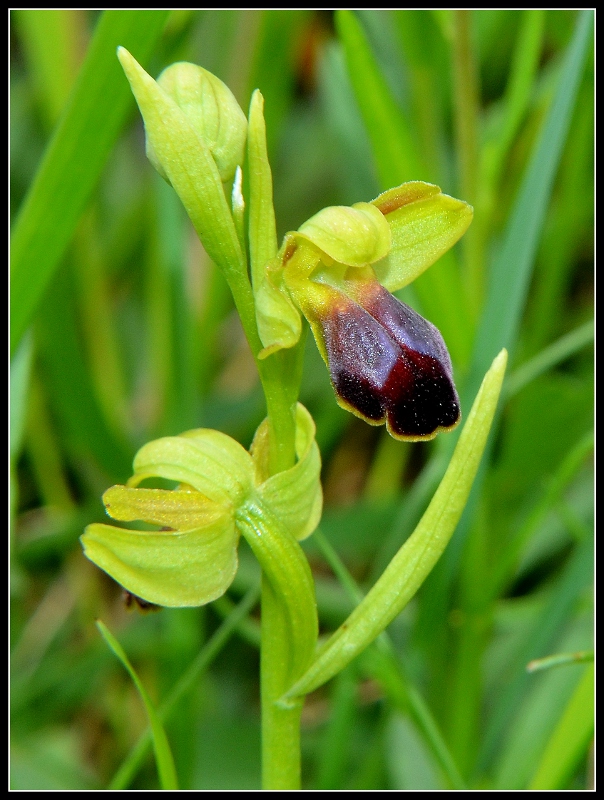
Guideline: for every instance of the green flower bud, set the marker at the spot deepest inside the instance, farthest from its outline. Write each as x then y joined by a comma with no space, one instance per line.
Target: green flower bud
212,111
181,152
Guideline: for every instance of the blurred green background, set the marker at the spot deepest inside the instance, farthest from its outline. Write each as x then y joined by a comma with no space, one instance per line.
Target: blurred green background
122,331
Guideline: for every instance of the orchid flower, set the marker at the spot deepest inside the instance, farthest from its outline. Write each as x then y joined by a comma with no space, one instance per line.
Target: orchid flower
386,363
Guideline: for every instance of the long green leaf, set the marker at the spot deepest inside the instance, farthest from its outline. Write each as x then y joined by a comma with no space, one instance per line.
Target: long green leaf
549,357
416,558
75,158
83,425
163,754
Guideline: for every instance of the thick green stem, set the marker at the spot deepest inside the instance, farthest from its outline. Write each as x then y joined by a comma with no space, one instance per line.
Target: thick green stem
280,726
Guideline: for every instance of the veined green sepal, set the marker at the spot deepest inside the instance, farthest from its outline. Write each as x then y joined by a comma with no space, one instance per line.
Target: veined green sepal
209,461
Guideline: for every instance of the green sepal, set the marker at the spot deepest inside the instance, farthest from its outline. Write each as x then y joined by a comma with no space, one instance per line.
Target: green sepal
279,321
424,224
209,461
175,568
294,496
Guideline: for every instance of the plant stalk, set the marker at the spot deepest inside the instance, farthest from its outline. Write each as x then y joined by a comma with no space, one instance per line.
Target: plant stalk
280,726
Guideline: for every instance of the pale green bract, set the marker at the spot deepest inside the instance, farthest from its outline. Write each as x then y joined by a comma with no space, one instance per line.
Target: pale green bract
222,487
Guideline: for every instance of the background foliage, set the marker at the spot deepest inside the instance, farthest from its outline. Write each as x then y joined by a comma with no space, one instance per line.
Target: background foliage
123,331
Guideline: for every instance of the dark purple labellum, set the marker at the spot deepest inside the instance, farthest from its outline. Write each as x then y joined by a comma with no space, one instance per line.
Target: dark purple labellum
389,364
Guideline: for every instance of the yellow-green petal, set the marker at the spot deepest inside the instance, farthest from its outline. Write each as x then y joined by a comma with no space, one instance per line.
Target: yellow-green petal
424,224
188,568
209,461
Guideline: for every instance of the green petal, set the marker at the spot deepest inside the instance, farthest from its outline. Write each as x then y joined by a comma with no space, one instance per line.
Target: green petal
294,496
424,224
178,509
355,236
169,569
209,461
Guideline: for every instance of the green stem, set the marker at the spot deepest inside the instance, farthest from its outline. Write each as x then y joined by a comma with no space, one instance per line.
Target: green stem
281,375
280,726
288,636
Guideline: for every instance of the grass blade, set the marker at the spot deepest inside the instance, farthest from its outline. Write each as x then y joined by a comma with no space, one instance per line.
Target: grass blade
394,150
163,754
222,635
570,738
75,158
513,266
538,641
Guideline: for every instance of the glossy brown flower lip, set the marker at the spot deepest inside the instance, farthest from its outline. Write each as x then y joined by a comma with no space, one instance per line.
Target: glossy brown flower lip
388,364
